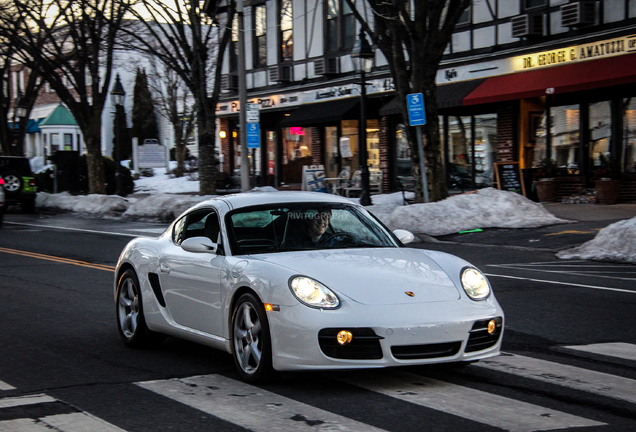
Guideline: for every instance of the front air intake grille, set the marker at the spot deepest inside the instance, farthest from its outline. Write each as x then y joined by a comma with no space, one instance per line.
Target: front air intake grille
428,351
365,344
479,338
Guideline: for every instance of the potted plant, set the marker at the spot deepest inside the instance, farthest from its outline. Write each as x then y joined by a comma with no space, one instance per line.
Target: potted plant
545,183
607,180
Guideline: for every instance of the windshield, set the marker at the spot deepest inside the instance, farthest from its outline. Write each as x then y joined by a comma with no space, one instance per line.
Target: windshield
304,226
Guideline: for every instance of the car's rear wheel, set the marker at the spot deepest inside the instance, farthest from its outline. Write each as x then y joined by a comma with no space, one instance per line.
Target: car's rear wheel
251,342
12,182
130,316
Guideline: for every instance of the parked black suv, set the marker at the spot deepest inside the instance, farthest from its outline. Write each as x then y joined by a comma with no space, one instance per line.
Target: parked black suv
19,182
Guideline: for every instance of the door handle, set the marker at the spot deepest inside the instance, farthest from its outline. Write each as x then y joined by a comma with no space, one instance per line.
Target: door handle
164,268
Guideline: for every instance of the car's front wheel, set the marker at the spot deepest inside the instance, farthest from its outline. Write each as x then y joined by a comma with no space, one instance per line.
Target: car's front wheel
251,342
130,315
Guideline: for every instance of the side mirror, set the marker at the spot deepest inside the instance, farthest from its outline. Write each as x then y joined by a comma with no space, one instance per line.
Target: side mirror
404,236
199,245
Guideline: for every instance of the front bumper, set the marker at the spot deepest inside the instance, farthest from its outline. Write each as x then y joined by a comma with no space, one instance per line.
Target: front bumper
406,334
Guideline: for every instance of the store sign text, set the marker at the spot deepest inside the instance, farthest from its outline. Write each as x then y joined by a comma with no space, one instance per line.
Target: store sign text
607,48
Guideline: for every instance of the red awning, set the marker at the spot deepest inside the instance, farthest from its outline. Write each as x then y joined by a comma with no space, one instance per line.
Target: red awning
563,79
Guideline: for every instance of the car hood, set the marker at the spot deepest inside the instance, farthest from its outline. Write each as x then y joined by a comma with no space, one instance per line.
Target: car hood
378,276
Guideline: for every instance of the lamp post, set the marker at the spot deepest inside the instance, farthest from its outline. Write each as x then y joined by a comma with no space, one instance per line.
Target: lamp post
362,55
19,113
118,96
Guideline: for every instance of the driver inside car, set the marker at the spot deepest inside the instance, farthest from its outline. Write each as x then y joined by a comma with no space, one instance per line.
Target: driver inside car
308,230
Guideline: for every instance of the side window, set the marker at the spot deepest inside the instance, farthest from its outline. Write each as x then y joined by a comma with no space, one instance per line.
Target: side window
340,26
201,223
178,232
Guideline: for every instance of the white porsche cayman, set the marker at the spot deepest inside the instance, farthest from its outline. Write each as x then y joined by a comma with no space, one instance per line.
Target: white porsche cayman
299,280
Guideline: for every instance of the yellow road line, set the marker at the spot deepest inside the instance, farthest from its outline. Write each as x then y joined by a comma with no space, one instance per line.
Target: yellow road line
57,259
572,232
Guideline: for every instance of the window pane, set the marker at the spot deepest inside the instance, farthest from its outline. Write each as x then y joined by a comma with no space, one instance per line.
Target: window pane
485,148
403,152
332,35
286,27
600,133
534,3
332,9
629,138
565,136
260,38
348,31
537,148
459,155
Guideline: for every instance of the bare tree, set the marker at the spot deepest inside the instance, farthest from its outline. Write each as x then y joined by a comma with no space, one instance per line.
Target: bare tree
12,138
184,39
176,105
70,44
413,35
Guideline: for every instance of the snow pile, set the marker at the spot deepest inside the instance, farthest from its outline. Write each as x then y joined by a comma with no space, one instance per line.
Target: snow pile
102,205
615,243
163,207
485,208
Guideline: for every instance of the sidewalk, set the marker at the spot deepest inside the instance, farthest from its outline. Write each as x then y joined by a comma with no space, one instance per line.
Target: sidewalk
591,212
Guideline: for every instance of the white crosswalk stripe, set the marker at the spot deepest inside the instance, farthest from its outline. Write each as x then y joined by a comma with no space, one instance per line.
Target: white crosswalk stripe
67,422
251,407
479,406
613,349
564,375
5,386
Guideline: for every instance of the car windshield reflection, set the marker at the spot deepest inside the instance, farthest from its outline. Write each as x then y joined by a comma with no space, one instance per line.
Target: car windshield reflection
290,227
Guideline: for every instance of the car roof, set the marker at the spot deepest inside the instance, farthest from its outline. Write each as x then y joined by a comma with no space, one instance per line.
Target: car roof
249,199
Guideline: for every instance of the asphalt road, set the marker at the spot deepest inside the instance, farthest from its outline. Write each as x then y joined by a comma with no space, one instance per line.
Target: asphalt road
569,362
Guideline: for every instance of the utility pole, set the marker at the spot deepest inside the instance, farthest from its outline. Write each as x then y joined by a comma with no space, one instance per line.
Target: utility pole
245,168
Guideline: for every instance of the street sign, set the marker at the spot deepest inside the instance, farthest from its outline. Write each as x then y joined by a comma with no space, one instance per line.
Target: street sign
253,135
415,107
252,113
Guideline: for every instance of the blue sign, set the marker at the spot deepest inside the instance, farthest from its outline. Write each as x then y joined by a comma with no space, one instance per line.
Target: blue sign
415,107
253,135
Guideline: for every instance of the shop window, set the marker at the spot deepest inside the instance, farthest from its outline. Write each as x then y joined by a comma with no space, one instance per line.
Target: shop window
600,133
341,26
536,149
485,148
260,36
296,153
270,136
459,142
565,137
403,152
286,30
628,163
349,145
331,152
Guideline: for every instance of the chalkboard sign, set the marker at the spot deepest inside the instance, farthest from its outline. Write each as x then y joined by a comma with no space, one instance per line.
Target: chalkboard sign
509,177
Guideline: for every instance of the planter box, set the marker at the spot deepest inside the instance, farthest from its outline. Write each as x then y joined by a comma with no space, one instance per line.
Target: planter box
547,190
607,191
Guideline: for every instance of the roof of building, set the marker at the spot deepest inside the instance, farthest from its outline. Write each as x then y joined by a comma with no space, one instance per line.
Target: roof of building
60,116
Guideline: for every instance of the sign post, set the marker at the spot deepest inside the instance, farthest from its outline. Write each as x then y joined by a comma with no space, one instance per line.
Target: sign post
417,118
253,130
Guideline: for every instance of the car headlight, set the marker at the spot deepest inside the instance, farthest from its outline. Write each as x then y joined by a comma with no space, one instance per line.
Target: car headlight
313,293
475,283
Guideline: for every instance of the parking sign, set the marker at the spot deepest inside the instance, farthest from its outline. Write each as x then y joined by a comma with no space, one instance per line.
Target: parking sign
253,135
415,107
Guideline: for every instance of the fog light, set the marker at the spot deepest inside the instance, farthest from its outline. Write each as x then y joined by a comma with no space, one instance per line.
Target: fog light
492,326
344,337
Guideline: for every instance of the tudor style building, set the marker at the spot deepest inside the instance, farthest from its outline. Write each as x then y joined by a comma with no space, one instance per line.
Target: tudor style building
521,80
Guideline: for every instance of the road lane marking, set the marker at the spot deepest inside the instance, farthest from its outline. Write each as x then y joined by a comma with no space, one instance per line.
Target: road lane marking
569,232
251,407
5,386
25,400
590,381
57,259
575,271
63,422
562,283
77,229
612,349
468,403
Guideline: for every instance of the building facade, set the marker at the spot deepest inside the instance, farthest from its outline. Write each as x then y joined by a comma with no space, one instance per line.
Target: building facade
521,80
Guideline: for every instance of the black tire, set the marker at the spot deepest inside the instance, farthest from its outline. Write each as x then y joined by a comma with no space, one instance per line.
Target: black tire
251,340
130,317
27,206
13,183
